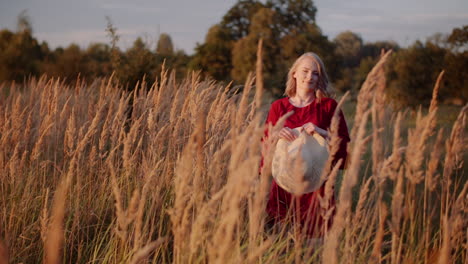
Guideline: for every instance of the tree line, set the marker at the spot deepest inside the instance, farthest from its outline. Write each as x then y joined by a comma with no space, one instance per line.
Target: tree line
21,56
288,29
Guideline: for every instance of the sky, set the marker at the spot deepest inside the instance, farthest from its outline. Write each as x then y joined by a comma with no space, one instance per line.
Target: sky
62,22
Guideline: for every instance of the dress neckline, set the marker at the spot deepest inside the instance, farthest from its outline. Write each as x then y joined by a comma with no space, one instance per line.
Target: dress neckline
300,107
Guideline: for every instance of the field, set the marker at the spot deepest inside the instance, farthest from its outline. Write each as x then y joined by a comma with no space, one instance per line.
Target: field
169,173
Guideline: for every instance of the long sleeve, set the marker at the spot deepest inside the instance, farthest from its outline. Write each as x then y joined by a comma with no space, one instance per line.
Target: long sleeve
343,133
271,120
272,117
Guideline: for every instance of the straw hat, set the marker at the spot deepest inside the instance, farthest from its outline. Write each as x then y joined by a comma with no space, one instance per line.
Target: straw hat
297,166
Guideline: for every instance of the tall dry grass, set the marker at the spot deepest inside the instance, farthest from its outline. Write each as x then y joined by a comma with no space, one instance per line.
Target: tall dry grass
170,173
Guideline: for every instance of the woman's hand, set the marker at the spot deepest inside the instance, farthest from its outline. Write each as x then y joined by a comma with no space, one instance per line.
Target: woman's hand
287,134
310,128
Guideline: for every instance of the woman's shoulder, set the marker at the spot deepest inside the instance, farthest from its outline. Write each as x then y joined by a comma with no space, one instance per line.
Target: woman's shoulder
328,101
329,104
279,103
277,109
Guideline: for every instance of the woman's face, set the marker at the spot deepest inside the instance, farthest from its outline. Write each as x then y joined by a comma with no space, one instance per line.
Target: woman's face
306,75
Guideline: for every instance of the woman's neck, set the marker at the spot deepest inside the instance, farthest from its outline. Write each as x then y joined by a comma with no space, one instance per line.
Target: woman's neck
303,99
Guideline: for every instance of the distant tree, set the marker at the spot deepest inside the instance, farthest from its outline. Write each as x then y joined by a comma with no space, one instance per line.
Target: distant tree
234,41
238,19
177,63
98,60
348,51
24,23
459,37
439,40
180,64
456,76
374,49
69,63
20,52
352,78
294,14
243,58
287,28
360,73
245,49
455,64
114,37
413,73
214,56
349,47
291,15
6,58
357,59
309,39
138,62
165,46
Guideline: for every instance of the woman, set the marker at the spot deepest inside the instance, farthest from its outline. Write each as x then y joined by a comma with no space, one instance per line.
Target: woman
307,91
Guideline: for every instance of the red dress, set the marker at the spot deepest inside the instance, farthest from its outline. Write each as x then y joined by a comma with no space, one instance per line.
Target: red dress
280,201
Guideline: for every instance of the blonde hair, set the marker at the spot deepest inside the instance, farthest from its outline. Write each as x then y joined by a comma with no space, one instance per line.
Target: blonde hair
322,86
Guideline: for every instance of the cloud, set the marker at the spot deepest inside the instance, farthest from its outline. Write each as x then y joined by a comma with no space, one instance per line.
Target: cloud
349,17
436,18
132,7
402,27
